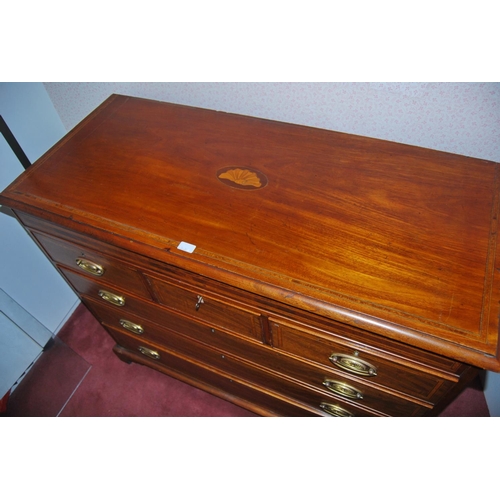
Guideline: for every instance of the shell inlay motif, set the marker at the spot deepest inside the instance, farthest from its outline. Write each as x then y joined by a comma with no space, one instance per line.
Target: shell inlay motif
242,177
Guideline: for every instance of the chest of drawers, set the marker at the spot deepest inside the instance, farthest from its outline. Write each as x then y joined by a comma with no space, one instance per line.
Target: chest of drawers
290,270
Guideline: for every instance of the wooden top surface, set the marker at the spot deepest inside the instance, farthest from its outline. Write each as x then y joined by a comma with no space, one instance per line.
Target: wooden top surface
396,239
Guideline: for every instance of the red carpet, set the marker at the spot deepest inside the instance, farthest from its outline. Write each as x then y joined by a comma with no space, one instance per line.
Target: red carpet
80,376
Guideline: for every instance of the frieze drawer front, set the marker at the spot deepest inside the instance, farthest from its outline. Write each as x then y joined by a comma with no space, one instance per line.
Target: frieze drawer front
293,271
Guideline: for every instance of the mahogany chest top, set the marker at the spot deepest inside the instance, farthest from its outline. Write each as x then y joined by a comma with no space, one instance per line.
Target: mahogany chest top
397,240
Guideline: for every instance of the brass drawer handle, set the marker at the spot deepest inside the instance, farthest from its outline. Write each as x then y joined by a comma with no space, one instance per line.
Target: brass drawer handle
132,327
342,389
90,267
199,301
335,410
149,352
353,364
116,300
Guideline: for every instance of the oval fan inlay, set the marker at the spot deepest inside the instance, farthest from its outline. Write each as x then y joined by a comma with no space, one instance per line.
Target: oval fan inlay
242,177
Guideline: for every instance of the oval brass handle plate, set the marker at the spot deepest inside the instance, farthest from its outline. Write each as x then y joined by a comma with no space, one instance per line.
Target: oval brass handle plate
116,300
90,267
149,352
335,410
353,364
131,327
343,389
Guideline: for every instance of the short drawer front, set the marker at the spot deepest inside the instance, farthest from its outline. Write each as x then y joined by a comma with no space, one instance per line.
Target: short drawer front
345,387
98,266
208,308
340,358
238,370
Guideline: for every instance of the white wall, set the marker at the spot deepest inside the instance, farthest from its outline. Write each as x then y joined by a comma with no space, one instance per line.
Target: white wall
491,385
25,273
461,118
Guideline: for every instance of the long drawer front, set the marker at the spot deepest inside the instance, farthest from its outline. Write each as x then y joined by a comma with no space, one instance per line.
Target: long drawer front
214,382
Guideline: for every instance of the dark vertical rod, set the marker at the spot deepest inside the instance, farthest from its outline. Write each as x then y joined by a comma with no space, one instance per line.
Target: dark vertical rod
14,145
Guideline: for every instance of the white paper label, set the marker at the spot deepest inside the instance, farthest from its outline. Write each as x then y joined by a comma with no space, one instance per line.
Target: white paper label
186,247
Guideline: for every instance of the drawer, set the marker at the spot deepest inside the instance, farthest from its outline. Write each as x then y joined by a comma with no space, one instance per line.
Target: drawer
359,339
351,390
344,386
362,364
124,303
238,369
125,321
215,382
99,266
210,308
